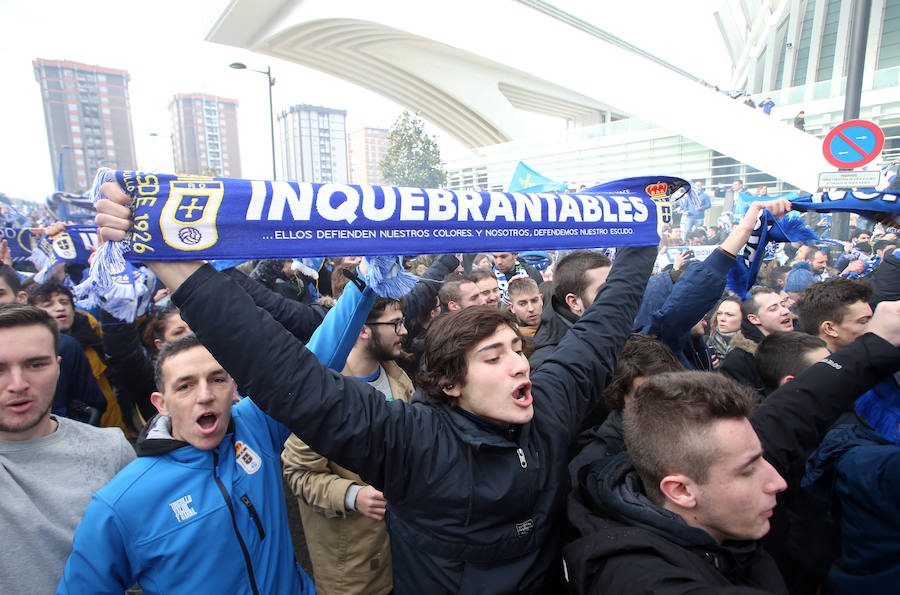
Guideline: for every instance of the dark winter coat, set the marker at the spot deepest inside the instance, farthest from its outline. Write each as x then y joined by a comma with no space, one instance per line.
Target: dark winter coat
857,473
556,321
616,549
470,509
636,546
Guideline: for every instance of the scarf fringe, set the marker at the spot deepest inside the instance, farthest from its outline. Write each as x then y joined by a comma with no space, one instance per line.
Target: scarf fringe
387,278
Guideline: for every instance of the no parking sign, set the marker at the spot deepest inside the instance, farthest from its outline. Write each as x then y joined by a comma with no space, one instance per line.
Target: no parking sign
853,144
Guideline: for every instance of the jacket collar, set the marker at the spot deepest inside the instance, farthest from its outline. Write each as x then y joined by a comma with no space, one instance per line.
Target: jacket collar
156,437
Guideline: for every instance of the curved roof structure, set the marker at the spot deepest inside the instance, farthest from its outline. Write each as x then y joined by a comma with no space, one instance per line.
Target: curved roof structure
469,67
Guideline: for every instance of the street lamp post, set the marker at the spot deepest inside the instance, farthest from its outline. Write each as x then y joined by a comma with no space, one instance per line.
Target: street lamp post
268,73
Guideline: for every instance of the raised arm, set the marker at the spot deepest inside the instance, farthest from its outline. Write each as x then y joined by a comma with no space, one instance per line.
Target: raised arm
578,370
298,318
794,419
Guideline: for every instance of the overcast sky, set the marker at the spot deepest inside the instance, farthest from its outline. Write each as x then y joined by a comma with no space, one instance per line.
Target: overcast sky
161,44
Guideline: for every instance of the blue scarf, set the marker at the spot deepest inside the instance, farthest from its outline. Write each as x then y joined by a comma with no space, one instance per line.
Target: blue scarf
195,218
74,245
882,206
20,241
742,275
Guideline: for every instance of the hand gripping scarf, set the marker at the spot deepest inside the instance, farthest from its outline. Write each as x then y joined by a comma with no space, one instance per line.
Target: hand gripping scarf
199,218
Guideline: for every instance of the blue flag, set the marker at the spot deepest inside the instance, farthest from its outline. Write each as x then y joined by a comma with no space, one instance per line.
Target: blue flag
526,179
73,245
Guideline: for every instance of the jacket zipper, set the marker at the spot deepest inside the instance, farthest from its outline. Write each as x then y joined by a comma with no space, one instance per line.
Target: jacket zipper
234,523
524,464
252,510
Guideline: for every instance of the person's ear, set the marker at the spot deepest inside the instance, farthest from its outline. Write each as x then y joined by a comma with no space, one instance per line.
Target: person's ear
754,319
365,332
21,297
827,327
451,390
159,401
157,343
574,303
680,490
786,379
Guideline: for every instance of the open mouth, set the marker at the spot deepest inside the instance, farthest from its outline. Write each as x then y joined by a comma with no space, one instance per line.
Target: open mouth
522,394
207,421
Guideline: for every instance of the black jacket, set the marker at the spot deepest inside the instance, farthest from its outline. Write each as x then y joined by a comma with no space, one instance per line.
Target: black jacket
555,323
635,546
616,549
471,510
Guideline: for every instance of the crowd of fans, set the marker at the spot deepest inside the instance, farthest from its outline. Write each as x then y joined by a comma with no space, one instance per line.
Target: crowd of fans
599,426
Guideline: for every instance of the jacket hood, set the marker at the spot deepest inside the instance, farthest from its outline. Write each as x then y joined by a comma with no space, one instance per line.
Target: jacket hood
555,322
614,489
156,437
740,341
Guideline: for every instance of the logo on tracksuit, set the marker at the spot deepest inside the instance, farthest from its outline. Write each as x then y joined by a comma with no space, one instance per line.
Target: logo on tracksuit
182,508
246,458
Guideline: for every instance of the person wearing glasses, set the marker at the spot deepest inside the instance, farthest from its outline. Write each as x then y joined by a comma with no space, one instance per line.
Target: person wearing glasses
343,517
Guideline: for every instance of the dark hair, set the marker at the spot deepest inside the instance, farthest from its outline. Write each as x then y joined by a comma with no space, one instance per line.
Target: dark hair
642,355
16,315
882,244
449,340
169,350
569,273
44,291
155,326
783,353
828,300
381,304
750,306
11,278
667,422
775,273
546,289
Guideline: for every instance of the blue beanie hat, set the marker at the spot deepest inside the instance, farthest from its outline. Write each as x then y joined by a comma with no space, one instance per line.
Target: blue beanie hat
799,278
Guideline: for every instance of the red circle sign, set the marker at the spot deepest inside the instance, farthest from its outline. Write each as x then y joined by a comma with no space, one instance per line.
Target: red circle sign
853,144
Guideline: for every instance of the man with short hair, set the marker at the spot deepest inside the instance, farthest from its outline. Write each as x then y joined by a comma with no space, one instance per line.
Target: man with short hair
77,394
487,286
684,508
782,355
837,310
731,196
343,516
507,266
576,280
206,472
526,304
458,292
764,312
50,466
